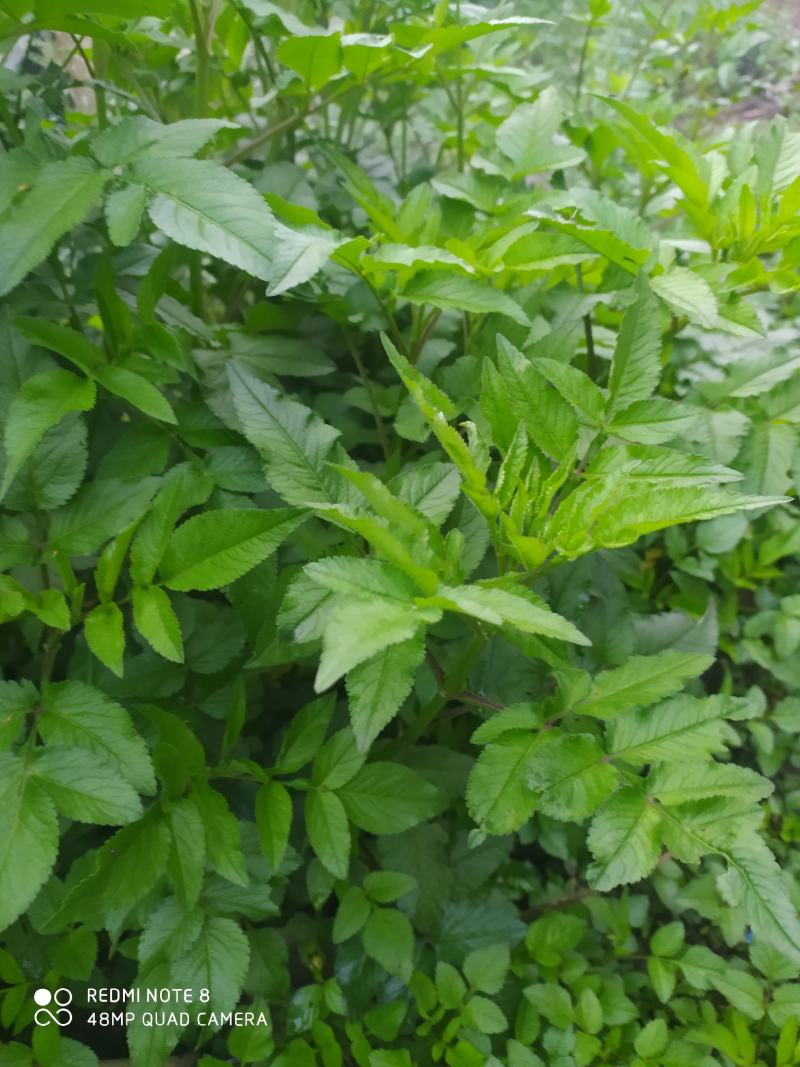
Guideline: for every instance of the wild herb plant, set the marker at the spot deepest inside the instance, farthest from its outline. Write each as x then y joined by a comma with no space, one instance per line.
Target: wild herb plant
399,553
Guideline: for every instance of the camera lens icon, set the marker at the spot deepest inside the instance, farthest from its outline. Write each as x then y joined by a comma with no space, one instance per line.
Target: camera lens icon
44,1014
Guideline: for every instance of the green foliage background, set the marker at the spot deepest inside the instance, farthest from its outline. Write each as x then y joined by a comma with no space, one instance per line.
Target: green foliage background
397,529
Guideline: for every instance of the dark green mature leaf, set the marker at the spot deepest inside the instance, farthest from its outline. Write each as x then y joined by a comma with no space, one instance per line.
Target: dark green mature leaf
41,403
387,798
84,788
328,830
62,195
295,443
29,828
79,716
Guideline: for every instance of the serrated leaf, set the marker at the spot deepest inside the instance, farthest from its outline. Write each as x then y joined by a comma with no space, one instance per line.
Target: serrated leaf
570,774
387,798
273,810
498,606
624,839
360,629
85,788
687,294
204,206
328,830
124,211
217,961
186,862
155,619
691,780
62,195
440,289
217,547
29,829
41,403
295,442
389,939
681,728
636,364
105,635
642,680
138,136
223,838
377,688
79,716
498,795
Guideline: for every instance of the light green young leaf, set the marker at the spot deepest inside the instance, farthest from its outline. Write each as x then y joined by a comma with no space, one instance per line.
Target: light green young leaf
636,364
217,547
624,839
105,635
687,294
360,629
156,621
680,729
498,606
377,688
640,681
445,290
570,774
328,830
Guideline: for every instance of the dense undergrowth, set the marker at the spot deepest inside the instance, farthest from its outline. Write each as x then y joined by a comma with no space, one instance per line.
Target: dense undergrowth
398,537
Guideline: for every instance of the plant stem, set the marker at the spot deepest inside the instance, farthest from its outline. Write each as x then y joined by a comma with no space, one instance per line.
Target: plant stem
645,49
201,44
373,400
582,62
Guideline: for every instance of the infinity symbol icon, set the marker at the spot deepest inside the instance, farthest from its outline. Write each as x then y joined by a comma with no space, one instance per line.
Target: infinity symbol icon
43,1015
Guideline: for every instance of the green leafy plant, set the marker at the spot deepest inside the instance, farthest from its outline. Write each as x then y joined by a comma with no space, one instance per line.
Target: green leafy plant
398,546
